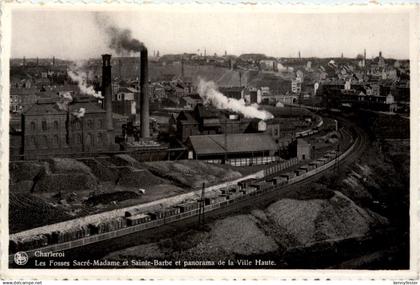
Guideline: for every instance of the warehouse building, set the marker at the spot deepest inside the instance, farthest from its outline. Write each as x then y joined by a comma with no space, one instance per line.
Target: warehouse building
233,149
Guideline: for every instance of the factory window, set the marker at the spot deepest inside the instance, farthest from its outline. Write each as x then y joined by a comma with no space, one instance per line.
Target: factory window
45,142
105,140
44,125
77,125
89,140
100,138
90,124
33,126
78,139
32,141
56,140
56,125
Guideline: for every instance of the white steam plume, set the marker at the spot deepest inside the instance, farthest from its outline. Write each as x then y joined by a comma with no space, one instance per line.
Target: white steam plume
64,100
81,77
208,91
79,114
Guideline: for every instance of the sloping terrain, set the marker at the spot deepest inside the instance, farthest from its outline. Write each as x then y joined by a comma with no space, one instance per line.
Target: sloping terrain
273,231
192,173
95,185
28,210
311,221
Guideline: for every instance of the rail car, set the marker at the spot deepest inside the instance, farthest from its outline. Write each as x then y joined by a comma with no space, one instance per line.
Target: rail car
307,132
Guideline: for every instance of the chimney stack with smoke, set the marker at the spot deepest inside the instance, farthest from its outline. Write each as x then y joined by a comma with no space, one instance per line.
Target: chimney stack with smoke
143,101
121,41
107,90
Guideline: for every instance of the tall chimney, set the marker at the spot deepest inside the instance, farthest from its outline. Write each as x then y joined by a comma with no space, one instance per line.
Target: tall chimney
107,90
143,101
182,67
120,68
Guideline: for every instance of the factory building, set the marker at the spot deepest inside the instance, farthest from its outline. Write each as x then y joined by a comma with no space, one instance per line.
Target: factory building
204,120
303,150
233,149
22,98
236,92
124,101
71,127
51,130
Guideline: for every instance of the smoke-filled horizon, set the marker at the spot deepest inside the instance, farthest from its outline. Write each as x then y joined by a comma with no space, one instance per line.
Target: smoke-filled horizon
77,35
211,95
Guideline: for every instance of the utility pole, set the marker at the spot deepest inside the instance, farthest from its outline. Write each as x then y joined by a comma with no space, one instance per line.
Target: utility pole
201,203
225,140
83,134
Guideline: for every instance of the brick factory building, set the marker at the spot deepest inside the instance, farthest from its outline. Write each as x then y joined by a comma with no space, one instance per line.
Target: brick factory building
47,129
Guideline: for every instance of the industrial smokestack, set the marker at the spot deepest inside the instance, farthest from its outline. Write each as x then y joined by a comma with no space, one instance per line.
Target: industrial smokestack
107,90
143,101
182,67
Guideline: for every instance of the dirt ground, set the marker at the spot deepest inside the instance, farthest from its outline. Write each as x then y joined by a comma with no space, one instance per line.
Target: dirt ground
78,188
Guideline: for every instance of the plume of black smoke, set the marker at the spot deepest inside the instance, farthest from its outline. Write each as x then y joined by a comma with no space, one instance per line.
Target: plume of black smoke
120,40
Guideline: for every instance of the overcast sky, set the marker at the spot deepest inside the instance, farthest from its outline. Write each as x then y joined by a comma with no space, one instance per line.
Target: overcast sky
76,35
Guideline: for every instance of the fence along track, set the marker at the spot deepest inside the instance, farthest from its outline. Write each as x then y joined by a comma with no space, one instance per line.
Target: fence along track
152,224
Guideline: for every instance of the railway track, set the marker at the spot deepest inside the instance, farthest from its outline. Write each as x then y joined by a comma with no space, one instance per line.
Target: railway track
96,250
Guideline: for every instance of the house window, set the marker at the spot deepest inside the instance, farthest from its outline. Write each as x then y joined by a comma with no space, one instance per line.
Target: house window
33,126
56,125
44,125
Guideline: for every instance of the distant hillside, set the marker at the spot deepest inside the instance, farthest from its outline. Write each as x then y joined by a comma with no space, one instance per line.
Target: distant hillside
192,72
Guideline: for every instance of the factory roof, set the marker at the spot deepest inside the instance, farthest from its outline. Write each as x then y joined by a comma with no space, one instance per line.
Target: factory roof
23,91
49,106
231,143
302,142
186,116
128,90
44,107
90,107
206,112
191,100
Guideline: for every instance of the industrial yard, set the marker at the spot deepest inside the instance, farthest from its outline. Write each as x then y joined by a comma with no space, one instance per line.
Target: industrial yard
137,157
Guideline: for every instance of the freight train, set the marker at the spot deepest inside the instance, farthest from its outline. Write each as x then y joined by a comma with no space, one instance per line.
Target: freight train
137,219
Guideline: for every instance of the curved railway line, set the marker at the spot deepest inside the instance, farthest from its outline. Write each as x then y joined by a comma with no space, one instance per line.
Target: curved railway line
115,241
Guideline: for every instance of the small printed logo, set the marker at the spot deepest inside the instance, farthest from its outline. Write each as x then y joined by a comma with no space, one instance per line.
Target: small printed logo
21,258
